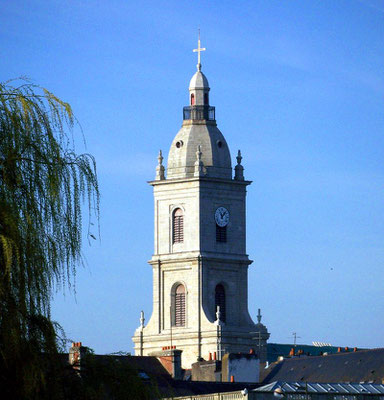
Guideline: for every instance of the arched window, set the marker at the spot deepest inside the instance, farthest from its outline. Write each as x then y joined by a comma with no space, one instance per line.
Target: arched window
192,99
179,308
220,301
178,226
206,99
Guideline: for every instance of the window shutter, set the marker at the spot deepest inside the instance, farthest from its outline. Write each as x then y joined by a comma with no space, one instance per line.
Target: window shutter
178,226
180,306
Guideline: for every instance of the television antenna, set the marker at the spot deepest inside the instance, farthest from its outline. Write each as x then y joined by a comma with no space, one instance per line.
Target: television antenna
295,337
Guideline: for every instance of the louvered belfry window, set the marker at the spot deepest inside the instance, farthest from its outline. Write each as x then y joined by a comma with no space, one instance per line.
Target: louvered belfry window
221,234
180,306
178,226
220,301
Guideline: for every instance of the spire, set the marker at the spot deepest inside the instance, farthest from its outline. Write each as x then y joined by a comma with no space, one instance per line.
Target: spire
199,165
160,168
239,169
199,50
199,127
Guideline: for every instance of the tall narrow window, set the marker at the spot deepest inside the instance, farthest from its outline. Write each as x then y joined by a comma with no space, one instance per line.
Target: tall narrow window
178,226
221,233
192,99
205,98
220,301
179,306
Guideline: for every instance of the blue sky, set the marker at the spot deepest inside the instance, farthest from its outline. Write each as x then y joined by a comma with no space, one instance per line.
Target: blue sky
298,87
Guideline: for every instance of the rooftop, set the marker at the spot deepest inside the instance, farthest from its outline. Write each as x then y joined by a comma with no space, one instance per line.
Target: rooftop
364,366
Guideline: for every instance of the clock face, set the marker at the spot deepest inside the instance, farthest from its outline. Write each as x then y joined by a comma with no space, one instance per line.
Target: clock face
222,216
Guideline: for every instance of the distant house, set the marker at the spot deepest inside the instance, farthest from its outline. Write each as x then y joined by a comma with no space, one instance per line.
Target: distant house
355,375
360,366
161,373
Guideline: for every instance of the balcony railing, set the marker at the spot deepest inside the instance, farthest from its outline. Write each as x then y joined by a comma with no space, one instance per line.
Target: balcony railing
199,113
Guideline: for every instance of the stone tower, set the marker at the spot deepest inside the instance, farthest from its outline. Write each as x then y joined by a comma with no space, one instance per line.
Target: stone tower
200,265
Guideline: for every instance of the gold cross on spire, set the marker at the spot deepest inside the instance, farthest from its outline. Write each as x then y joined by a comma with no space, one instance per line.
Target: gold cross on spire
198,50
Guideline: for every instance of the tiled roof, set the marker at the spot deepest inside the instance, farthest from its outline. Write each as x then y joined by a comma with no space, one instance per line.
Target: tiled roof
361,366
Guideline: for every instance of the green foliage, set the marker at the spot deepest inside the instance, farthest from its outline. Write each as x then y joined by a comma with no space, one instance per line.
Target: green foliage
111,377
43,183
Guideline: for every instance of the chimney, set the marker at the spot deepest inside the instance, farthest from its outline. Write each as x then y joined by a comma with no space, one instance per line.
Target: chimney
76,353
170,358
292,352
339,349
176,364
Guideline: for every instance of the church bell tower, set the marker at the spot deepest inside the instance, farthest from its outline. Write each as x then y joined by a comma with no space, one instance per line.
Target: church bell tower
200,265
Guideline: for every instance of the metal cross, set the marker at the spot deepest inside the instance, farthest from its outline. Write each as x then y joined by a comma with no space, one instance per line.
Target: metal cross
198,50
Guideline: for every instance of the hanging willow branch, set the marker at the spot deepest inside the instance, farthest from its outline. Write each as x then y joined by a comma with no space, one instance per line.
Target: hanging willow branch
43,184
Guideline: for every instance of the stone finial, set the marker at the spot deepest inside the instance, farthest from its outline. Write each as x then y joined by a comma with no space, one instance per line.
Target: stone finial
259,316
142,320
160,168
239,169
239,157
218,316
198,153
199,165
218,313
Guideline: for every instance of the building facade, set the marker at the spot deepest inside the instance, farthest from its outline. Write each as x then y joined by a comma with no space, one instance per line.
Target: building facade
200,264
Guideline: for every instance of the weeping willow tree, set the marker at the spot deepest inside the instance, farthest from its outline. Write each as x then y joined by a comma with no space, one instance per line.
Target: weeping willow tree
43,184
